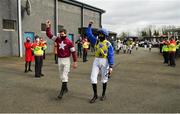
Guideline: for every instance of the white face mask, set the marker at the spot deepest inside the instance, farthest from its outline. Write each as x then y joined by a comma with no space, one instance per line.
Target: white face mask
37,40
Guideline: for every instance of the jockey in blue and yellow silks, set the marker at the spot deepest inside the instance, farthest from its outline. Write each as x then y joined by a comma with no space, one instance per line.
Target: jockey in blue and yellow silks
104,59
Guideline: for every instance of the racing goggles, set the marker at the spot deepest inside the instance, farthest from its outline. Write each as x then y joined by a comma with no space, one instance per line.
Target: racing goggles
100,35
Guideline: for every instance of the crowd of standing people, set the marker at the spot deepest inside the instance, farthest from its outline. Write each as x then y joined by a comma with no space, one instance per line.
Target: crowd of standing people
170,50
83,45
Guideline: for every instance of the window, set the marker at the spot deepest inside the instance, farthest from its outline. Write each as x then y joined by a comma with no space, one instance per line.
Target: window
9,24
43,27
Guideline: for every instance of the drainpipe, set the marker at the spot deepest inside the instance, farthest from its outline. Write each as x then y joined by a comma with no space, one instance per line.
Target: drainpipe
19,29
82,19
56,17
100,20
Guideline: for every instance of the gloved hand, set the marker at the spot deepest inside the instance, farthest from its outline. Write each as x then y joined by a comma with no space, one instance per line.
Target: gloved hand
48,24
90,22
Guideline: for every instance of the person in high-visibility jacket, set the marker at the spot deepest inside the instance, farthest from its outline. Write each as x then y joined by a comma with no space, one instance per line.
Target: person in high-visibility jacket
38,49
43,42
165,51
172,52
85,45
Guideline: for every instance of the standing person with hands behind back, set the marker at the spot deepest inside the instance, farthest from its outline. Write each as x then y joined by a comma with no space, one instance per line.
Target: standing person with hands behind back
64,50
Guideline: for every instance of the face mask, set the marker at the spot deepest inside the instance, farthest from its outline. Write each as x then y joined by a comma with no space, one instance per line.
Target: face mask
101,38
63,37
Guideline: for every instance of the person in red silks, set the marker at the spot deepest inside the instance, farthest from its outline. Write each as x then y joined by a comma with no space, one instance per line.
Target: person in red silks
65,48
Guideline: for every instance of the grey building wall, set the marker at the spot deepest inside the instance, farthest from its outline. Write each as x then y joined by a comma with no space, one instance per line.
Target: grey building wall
69,16
91,15
8,10
41,11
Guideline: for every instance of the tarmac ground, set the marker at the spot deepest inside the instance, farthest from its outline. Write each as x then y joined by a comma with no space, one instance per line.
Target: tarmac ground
140,83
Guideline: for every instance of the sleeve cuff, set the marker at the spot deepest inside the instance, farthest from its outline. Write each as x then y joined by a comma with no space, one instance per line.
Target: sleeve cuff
110,66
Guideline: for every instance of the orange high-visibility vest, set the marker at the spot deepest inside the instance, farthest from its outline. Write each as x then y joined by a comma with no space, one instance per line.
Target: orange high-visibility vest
172,46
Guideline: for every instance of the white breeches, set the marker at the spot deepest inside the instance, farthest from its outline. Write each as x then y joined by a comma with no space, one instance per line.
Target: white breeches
124,47
100,65
130,47
145,46
64,68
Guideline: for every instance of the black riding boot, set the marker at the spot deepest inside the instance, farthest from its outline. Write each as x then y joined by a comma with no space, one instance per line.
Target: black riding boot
130,51
63,90
104,92
26,67
95,93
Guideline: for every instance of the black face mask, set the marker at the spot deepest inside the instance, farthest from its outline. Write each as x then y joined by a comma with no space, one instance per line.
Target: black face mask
101,38
63,37
28,40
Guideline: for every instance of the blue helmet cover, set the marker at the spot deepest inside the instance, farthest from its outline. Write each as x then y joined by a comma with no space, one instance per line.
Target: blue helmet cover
103,31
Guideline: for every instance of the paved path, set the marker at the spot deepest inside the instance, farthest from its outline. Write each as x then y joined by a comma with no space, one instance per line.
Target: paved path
140,83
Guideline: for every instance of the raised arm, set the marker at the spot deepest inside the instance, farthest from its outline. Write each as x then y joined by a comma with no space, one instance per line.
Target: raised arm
48,31
90,35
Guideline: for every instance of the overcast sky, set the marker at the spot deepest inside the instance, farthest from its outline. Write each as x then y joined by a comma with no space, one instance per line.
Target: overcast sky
131,15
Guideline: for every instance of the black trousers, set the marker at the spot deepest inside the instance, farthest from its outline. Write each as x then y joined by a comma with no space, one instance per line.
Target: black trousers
166,57
26,66
79,51
172,58
85,54
38,65
44,55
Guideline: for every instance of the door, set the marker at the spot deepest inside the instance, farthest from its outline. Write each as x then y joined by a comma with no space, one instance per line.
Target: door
71,37
30,35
